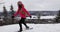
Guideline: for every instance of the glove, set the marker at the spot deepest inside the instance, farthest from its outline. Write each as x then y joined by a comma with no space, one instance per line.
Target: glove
30,16
12,16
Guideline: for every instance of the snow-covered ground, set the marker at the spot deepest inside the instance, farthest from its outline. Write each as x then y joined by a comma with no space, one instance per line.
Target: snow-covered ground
41,17
36,28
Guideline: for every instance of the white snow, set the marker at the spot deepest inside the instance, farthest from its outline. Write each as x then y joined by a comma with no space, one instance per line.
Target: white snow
36,28
36,17
48,17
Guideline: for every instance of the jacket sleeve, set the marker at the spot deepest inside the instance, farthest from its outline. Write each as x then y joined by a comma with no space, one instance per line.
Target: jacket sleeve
27,12
16,13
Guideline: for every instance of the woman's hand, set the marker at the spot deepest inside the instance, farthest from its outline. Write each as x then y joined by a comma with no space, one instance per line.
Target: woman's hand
12,16
30,16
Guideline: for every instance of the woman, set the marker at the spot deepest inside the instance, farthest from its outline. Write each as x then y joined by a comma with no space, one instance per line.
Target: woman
23,13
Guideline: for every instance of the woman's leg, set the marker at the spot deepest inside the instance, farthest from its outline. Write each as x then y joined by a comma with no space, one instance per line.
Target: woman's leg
20,24
25,23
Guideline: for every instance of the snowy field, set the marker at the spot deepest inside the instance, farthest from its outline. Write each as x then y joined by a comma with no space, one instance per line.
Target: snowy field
36,28
41,17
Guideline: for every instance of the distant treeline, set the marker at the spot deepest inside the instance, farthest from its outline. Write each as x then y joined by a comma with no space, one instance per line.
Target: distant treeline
43,13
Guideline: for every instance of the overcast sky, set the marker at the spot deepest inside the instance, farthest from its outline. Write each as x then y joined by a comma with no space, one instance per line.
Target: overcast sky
52,5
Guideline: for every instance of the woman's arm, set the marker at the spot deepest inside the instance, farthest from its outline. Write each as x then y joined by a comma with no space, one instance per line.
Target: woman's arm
27,12
16,13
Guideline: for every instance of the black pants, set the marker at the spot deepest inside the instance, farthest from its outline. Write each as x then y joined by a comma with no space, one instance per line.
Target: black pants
22,21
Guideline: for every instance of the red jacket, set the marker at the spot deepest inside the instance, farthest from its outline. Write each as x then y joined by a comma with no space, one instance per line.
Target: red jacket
21,13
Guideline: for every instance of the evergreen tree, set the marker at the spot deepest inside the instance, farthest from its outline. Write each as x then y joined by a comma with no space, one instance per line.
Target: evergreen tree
5,14
5,11
12,11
